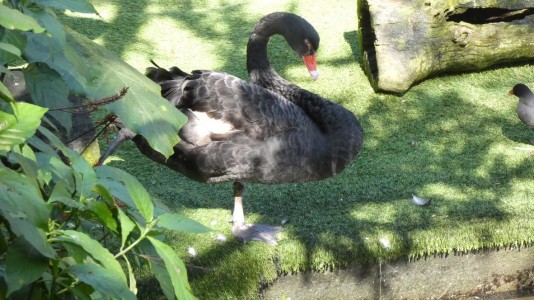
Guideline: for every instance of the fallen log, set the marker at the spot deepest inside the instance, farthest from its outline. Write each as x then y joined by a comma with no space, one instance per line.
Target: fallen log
403,42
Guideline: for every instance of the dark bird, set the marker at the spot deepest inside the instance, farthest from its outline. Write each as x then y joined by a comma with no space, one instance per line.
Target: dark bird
525,107
265,131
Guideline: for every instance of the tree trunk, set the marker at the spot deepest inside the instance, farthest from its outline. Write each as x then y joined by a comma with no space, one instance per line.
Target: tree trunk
82,137
404,41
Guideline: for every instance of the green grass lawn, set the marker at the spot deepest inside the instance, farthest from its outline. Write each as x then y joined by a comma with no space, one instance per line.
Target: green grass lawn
451,139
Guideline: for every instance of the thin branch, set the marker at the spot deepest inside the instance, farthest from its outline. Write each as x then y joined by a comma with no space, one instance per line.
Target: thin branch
94,105
98,134
107,120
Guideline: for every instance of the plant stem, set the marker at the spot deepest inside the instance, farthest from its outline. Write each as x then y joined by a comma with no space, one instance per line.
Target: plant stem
141,237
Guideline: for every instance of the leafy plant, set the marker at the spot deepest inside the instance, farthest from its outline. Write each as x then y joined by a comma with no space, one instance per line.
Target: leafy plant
61,61
57,212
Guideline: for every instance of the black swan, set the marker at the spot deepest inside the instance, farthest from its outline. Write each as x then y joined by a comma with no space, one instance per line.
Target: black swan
267,131
525,107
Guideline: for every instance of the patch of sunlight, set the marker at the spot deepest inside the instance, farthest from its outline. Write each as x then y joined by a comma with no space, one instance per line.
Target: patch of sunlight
439,189
298,74
153,41
99,40
156,8
106,12
504,155
264,7
520,202
376,213
136,59
322,258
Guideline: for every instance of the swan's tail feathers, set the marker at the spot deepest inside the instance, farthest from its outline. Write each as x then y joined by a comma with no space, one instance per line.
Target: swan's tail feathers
155,64
159,74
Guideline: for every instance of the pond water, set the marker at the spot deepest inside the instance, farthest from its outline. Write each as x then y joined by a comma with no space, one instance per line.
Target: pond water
504,274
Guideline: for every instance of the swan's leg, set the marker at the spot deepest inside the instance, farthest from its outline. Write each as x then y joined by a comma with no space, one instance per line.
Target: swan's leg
247,232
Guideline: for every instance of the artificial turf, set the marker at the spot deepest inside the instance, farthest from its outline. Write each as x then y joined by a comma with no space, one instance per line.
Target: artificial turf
452,139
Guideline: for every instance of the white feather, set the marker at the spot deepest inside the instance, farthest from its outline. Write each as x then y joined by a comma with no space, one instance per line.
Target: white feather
192,252
419,201
385,242
221,238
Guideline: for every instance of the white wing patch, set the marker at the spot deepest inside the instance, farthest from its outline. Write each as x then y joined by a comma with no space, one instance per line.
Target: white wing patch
212,125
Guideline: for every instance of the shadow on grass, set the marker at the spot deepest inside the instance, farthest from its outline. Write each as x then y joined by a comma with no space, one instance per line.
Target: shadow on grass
436,144
199,19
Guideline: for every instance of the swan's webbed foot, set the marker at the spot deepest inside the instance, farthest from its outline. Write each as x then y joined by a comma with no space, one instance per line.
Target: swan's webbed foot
256,232
250,232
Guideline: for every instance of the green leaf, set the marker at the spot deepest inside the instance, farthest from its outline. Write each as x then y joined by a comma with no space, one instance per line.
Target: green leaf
42,176
60,194
94,72
153,117
88,178
21,199
15,38
41,146
59,170
45,45
33,235
10,49
81,6
56,142
47,89
24,265
131,276
25,210
77,254
181,223
102,212
175,268
16,128
96,250
5,94
102,281
137,192
113,188
14,19
30,168
127,225
158,268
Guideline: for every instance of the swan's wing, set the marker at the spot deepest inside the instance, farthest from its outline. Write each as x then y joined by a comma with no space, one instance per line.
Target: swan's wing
249,108
236,130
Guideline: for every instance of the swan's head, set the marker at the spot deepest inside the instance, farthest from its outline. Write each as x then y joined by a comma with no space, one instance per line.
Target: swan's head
307,49
304,40
311,64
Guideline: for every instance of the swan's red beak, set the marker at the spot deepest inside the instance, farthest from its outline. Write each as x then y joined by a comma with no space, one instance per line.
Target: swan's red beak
310,61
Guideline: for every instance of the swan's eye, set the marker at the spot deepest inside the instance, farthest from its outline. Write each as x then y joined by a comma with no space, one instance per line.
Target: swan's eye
309,46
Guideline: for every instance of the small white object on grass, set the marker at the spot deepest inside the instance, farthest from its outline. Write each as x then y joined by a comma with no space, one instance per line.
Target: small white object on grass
385,242
220,238
192,252
419,201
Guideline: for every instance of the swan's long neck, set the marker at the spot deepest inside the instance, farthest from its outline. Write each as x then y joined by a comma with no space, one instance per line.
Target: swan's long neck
258,65
341,129
262,73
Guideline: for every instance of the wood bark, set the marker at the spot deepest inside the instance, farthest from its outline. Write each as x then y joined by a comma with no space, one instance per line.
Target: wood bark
405,41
